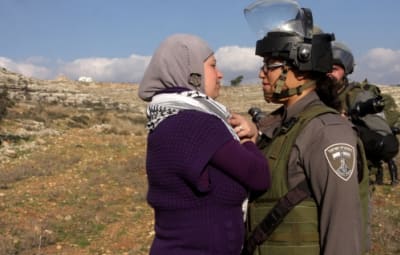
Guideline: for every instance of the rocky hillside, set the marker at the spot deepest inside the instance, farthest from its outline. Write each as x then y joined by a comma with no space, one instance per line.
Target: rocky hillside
69,93
48,107
72,169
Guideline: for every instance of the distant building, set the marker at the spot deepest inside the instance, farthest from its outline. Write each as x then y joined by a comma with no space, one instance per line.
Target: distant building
85,79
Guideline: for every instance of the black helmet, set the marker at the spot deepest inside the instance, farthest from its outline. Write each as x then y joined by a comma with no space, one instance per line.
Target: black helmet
342,56
287,32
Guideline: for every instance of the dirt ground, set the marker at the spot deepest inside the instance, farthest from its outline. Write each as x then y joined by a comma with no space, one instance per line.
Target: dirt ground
83,191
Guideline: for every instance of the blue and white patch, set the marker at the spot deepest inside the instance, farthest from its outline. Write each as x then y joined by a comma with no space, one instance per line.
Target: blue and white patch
342,159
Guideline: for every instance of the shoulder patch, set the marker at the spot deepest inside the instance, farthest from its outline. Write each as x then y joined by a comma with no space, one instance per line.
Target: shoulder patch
342,160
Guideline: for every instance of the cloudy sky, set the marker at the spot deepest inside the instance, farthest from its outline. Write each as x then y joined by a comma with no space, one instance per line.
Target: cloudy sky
113,40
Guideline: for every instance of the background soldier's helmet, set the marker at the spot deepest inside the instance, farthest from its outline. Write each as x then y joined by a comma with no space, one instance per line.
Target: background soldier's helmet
342,56
287,32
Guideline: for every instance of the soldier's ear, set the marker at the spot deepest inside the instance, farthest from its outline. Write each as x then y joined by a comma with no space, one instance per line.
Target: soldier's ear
298,75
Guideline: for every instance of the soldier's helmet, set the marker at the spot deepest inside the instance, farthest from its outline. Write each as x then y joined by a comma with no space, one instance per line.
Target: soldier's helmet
343,56
287,32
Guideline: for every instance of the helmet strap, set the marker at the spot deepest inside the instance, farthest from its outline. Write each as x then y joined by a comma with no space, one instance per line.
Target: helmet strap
280,83
293,91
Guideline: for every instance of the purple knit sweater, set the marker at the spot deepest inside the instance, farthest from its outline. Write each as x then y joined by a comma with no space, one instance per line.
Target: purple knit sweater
198,177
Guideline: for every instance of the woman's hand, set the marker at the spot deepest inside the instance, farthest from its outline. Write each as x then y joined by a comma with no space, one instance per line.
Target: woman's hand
244,128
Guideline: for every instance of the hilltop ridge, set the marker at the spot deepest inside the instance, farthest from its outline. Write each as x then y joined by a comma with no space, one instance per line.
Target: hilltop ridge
56,105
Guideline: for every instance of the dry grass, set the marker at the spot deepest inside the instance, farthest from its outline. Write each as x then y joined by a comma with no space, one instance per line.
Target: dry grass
80,195
83,191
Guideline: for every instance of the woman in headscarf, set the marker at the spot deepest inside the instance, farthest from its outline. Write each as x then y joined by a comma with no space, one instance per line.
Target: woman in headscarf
199,170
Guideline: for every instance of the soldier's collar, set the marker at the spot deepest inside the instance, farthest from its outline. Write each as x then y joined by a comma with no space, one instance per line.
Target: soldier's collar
295,109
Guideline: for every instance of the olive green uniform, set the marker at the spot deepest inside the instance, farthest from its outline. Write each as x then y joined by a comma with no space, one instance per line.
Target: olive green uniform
317,155
350,96
375,132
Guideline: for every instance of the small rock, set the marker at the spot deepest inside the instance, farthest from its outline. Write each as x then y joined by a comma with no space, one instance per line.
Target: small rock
10,153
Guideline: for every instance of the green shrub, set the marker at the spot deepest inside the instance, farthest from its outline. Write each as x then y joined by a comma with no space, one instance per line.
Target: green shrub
5,102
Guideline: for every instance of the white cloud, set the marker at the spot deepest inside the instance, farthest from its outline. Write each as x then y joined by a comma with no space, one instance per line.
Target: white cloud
234,61
29,67
379,65
236,58
129,69
382,58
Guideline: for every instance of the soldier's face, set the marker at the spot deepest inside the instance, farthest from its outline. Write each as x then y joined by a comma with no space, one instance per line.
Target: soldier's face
269,74
337,73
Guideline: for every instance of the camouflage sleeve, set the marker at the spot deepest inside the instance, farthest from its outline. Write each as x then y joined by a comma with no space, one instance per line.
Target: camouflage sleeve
375,121
328,157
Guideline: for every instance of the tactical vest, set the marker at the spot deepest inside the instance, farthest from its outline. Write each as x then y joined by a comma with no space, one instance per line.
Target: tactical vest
375,131
298,233
348,95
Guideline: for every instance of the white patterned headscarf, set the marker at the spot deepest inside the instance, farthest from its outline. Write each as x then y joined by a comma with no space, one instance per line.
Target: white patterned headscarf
178,62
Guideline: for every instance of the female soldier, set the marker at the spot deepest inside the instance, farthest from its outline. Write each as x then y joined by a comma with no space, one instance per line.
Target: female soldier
313,205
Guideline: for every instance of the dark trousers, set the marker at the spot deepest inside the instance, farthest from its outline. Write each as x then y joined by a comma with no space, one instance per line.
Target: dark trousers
392,171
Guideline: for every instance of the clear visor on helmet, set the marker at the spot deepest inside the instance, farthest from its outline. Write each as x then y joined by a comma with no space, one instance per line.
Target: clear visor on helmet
264,16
